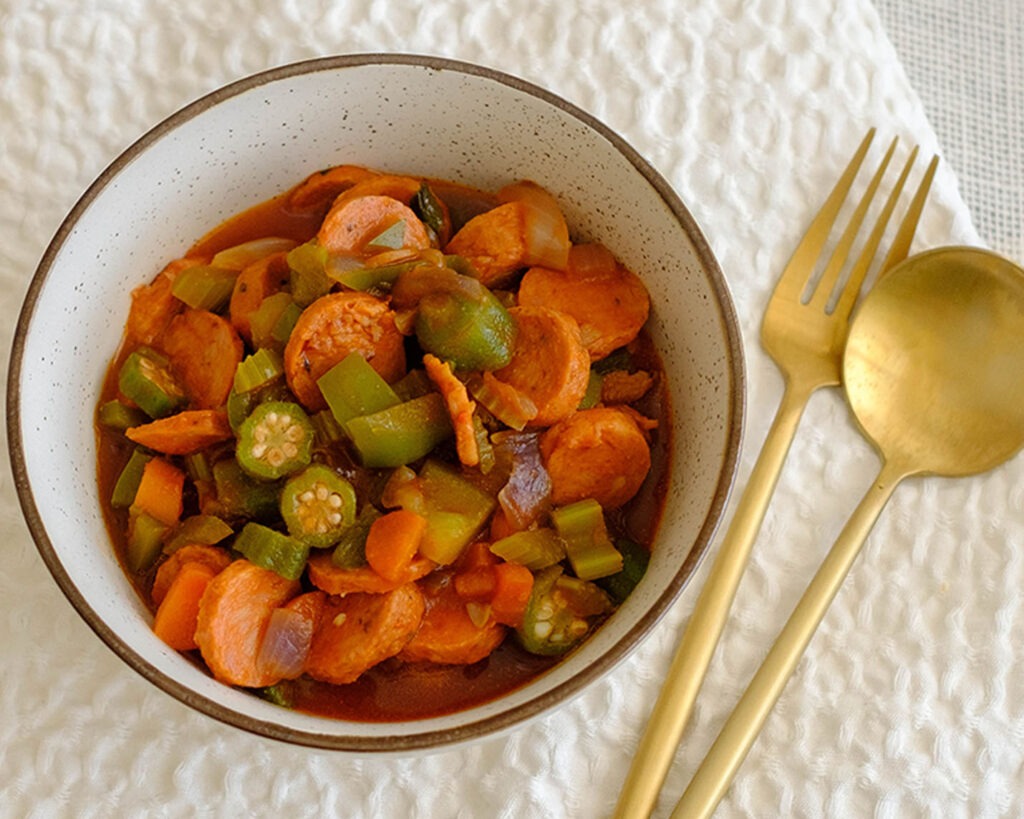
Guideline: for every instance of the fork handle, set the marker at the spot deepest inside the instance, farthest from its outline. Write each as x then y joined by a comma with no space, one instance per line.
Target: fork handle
737,736
672,710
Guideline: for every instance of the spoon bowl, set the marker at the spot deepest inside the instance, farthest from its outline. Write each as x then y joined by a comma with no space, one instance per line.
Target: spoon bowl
934,372
933,361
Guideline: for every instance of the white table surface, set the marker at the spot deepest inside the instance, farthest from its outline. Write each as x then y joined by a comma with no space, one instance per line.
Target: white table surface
908,702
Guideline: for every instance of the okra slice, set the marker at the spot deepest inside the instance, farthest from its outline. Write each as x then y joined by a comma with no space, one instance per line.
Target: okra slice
272,550
147,381
318,505
561,612
275,440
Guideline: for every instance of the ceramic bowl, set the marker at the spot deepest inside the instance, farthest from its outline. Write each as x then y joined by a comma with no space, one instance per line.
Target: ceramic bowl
239,146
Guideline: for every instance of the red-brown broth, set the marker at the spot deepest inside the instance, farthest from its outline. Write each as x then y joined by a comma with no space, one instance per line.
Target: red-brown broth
393,690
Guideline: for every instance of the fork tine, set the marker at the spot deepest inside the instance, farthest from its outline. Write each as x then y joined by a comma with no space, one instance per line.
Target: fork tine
823,290
905,234
794,278
901,243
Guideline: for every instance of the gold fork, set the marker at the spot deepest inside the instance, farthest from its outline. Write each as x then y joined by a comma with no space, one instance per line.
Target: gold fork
805,335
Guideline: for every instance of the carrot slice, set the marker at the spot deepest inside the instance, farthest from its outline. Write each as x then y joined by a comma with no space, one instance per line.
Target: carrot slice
334,580
351,224
459,407
609,302
204,350
233,617
360,630
393,541
160,491
599,453
334,326
550,365
258,280
448,634
187,431
214,557
178,613
513,585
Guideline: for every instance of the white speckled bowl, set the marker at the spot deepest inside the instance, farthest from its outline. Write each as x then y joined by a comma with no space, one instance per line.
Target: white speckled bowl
254,138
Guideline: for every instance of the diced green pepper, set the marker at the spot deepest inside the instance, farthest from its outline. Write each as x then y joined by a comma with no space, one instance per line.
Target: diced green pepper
119,416
473,333
318,505
593,393
205,287
309,279
145,540
272,550
350,551
205,529
258,370
239,496
635,559
272,322
326,430
275,440
146,380
400,434
391,238
456,511
370,279
128,481
590,550
534,548
413,384
561,612
353,388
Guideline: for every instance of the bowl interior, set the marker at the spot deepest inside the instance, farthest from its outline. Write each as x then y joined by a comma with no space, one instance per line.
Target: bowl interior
245,143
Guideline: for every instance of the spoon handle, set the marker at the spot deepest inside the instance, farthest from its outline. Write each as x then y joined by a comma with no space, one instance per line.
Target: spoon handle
716,772
672,710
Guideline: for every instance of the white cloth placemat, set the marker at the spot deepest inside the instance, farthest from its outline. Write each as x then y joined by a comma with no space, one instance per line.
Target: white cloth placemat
907,703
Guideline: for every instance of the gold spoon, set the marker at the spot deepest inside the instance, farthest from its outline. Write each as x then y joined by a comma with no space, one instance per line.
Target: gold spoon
934,373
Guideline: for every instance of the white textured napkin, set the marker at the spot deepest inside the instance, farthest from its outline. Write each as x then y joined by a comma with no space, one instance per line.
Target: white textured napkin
906,704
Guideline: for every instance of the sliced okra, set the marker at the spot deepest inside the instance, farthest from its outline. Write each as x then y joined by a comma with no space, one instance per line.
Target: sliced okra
275,440
318,505
147,381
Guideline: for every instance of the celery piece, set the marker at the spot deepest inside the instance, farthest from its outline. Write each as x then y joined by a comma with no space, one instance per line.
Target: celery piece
400,434
146,380
593,394
272,550
205,287
282,329
353,388
350,551
590,551
534,548
265,320
309,279
391,238
373,278
119,416
241,256
204,529
258,370
635,559
197,466
145,540
238,495
128,481
456,511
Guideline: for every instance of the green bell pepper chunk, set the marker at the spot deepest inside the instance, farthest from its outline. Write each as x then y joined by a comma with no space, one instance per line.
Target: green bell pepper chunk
400,434
591,553
352,388
473,333
273,550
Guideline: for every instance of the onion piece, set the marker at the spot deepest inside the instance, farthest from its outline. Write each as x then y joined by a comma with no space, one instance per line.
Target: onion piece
591,261
285,644
527,493
547,234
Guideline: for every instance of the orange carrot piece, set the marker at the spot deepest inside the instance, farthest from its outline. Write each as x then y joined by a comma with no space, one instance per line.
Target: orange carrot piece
512,588
213,557
185,432
351,224
460,408
160,491
204,350
178,613
393,541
